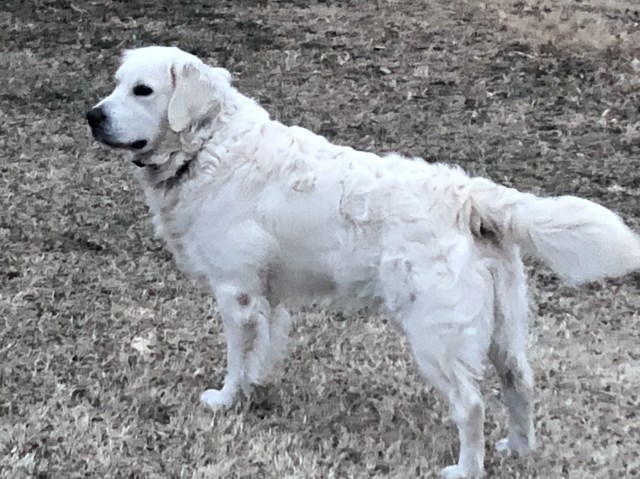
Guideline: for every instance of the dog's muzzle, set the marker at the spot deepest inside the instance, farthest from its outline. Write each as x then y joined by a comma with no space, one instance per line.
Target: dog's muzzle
97,120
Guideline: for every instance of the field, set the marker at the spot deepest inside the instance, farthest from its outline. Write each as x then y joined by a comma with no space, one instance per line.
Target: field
105,346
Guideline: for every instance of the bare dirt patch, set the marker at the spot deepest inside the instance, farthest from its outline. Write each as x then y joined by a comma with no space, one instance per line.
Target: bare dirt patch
105,347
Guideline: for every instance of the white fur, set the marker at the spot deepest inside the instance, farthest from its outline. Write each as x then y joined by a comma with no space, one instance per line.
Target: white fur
276,217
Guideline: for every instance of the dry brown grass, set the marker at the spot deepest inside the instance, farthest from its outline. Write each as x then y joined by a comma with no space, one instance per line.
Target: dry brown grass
576,25
105,347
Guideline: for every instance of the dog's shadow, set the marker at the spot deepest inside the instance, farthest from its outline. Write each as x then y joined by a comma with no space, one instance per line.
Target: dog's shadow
386,427
356,405
358,423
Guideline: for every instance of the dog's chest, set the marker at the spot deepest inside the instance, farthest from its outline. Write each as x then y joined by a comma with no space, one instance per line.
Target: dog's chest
173,218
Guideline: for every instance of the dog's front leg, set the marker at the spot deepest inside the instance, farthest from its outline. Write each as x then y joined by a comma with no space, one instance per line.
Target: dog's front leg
269,344
227,396
246,327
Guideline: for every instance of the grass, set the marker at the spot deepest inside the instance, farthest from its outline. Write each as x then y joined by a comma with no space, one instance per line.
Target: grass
594,24
105,346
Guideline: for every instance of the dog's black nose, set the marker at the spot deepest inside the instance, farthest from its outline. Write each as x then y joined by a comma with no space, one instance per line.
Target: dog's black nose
96,117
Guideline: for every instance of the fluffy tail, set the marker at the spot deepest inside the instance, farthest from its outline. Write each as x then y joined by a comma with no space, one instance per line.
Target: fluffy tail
580,240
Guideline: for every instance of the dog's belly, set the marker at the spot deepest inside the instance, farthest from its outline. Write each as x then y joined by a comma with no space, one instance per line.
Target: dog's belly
321,286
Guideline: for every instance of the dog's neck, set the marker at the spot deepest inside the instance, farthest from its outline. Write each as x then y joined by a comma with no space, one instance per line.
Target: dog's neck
165,171
172,173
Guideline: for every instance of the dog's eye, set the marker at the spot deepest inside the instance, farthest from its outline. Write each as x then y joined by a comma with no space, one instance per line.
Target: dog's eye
142,90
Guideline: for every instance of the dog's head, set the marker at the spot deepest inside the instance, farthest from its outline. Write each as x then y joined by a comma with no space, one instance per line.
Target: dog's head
158,90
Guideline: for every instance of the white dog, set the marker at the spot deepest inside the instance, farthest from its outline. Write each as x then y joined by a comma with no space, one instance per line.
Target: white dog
276,217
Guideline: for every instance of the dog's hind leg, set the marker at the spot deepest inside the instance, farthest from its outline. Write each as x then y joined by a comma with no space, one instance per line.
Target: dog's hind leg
508,353
449,350
439,353
444,303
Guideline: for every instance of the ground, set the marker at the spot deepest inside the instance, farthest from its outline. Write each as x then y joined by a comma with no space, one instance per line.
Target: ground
105,346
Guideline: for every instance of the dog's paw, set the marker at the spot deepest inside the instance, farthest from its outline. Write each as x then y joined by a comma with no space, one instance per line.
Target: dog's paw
217,399
510,447
457,472
502,446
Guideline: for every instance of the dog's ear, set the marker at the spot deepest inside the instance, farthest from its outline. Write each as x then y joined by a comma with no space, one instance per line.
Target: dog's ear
197,87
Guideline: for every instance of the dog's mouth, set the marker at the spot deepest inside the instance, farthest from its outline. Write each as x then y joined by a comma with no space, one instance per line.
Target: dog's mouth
135,145
138,145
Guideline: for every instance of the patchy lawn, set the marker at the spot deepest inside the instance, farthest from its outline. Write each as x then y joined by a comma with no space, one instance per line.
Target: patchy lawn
105,346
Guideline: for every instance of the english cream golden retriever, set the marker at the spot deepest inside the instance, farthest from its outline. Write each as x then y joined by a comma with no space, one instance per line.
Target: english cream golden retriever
275,217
